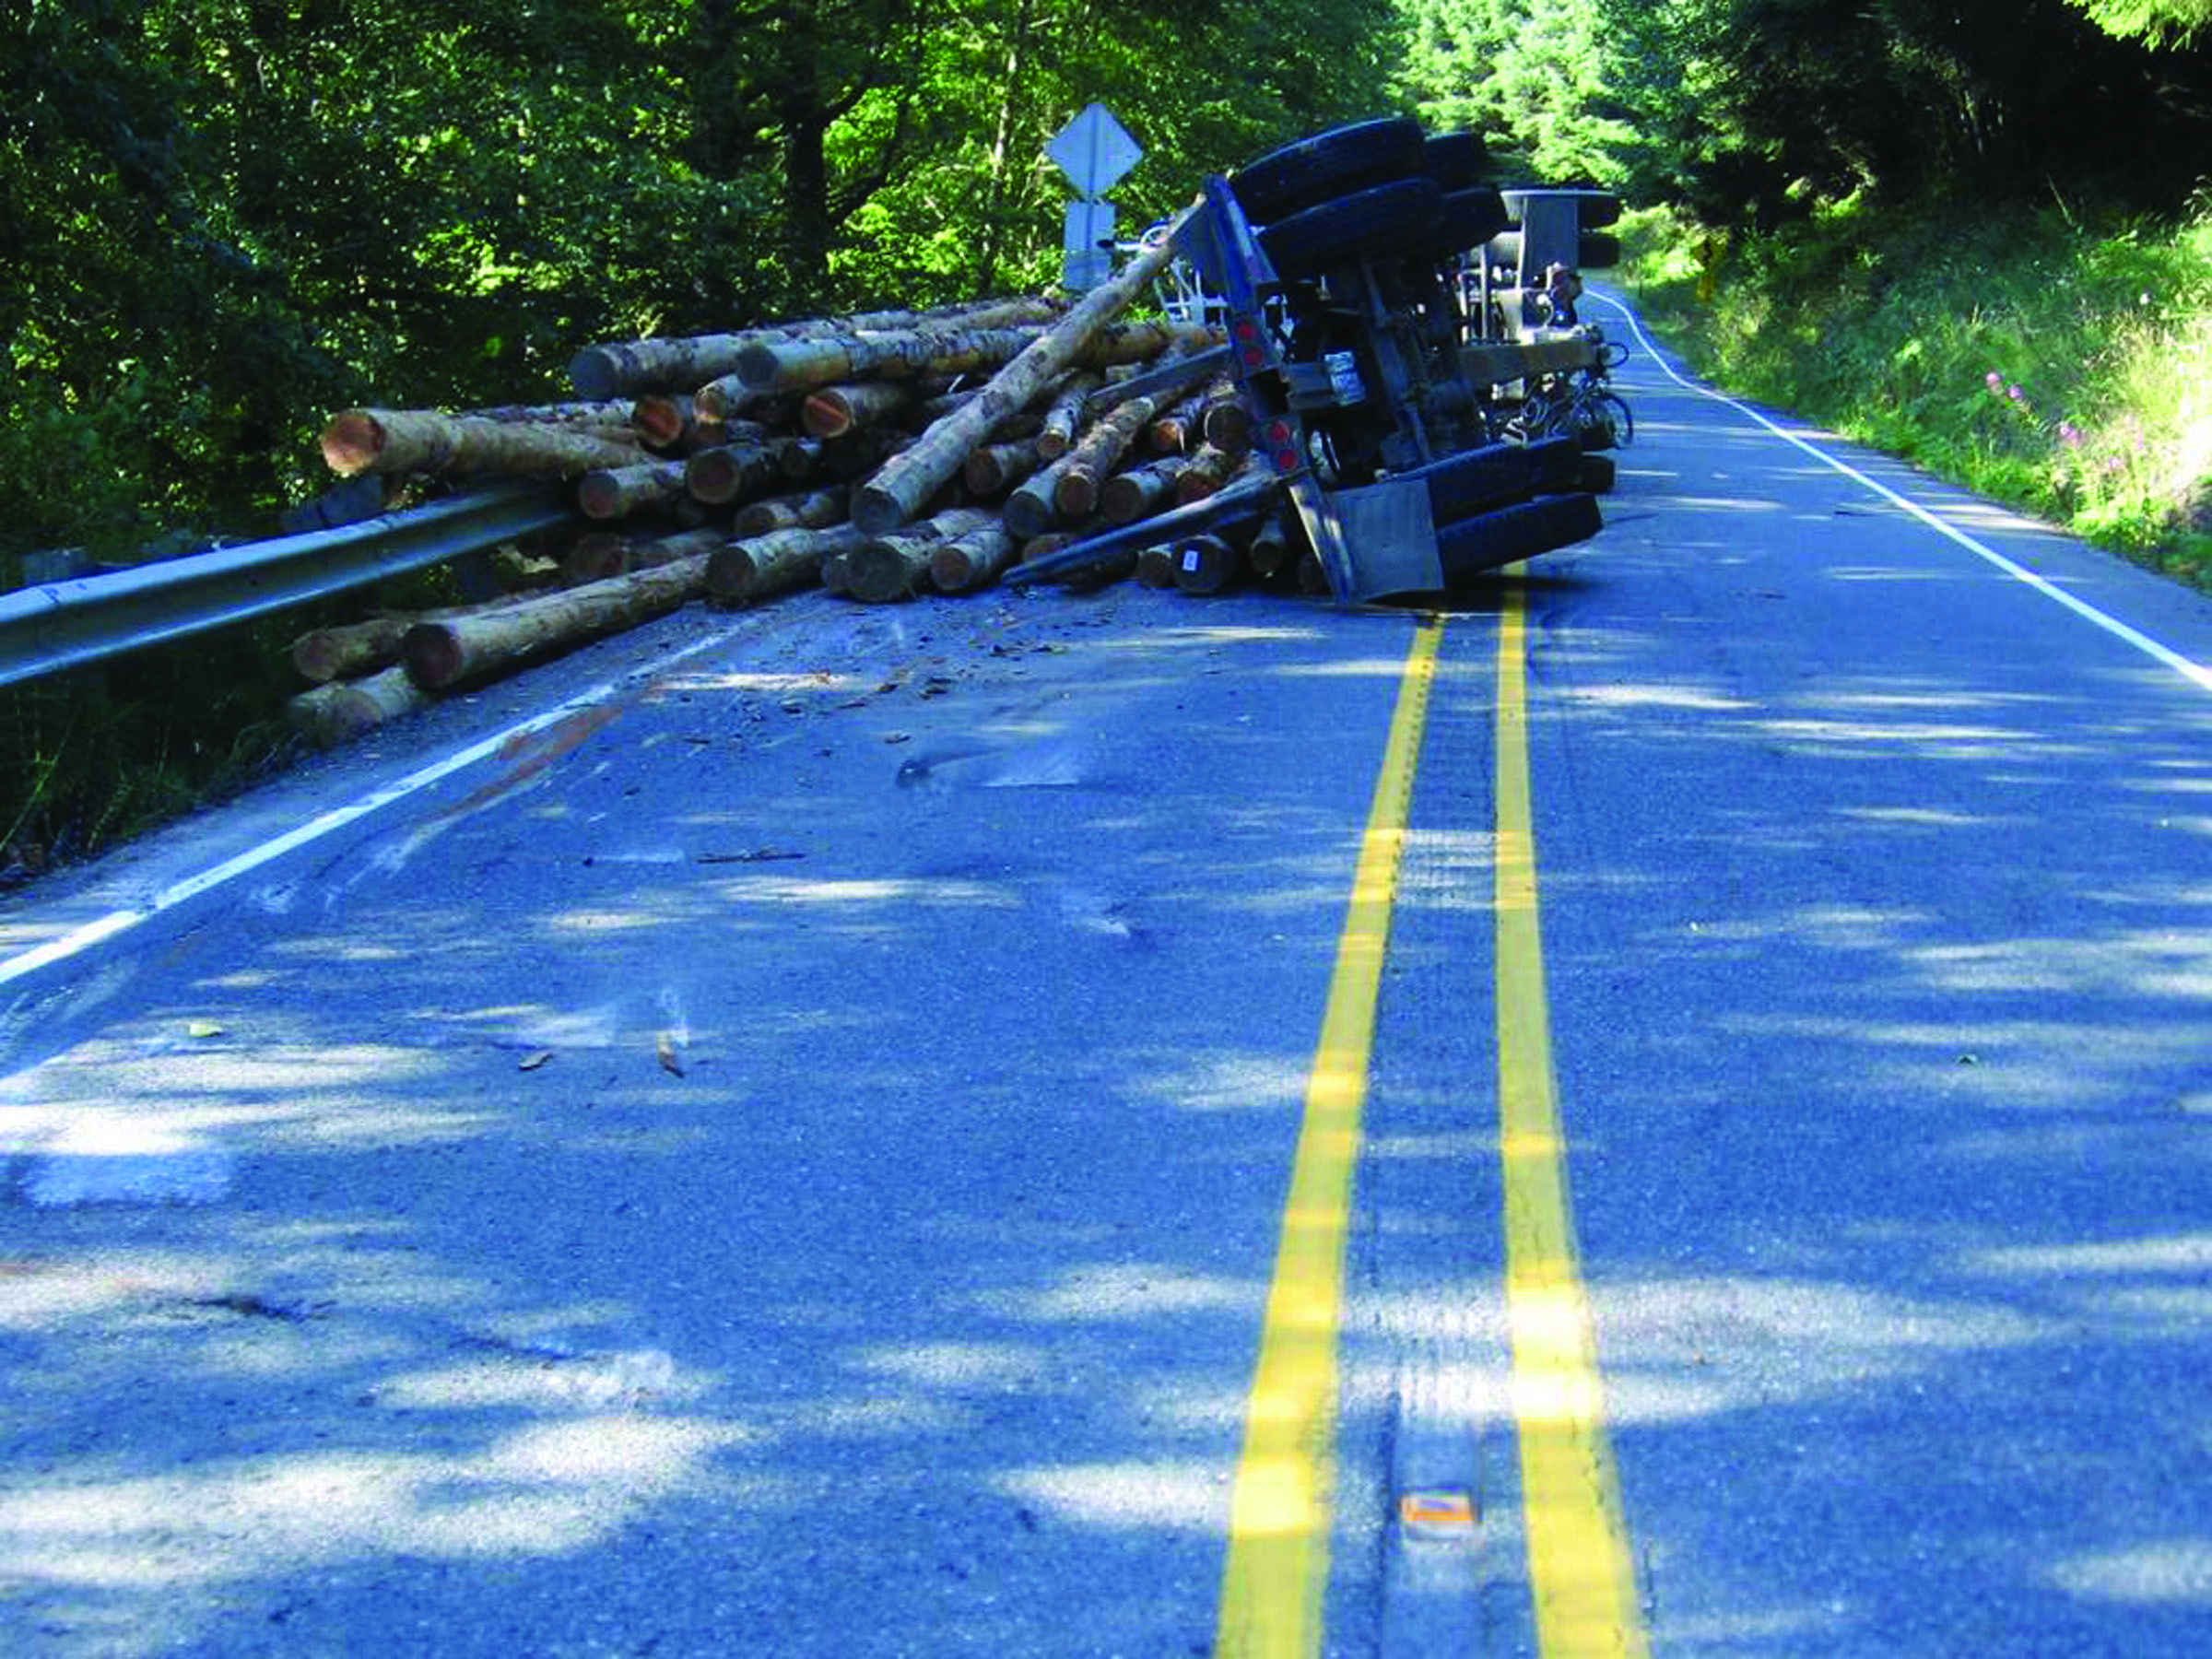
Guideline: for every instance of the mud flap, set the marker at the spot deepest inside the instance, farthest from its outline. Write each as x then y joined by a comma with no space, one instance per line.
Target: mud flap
1372,542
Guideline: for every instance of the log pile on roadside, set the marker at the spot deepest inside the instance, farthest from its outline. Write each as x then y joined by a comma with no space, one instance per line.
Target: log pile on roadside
883,455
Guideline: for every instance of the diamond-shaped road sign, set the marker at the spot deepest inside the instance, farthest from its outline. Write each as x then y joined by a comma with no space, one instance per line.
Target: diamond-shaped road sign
1094,150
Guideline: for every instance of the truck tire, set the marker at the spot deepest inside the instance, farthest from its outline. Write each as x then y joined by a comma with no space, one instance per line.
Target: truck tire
1298,176
1470,217
1456,160
1494,475
1597,474
1476,544
1380,221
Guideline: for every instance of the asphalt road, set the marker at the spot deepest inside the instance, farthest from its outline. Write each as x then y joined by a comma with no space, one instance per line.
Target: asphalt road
785,1151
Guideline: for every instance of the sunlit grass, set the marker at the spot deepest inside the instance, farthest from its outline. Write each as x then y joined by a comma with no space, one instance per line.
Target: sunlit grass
2061,368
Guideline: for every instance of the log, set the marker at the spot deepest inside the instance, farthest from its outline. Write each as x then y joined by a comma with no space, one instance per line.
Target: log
816,509
1269,554
997,467
898,491
688,364
1227,423
1205,564
332,714
349,650
1064,419
615,413
1176,432
1127,496
405,440
836,575
1206,472
969,561
720,476
439,654
1029,511
833,411
757,567
661,417
1076,492
1156,565
797,365
892,566
618,491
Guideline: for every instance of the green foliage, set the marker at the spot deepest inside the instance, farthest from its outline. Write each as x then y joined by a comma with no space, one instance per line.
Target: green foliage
2159,22
2065,372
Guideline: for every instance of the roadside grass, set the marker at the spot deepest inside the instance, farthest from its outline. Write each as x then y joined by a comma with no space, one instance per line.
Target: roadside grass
2062,369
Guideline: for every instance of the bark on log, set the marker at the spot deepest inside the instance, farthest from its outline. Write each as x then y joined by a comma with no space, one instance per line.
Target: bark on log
403,440
444,653
1064,419
835,411
836,576
1127,496
332,714
718,477
997,467
352,649
797,365
611,412
1176,432
1076,493
618,491
816,509
1029,511
1207,564
891,567
758,567
1206,472
685,365
969,561
898,491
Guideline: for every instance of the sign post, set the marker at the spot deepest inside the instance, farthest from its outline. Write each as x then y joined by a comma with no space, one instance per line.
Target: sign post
1094,150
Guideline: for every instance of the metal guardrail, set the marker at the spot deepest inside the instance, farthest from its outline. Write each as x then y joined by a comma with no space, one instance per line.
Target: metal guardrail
59,625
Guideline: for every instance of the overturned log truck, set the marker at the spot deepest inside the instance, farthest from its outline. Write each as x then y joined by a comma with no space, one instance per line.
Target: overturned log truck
1379,395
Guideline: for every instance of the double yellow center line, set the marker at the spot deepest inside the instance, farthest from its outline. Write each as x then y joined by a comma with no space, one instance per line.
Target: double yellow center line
1579,1564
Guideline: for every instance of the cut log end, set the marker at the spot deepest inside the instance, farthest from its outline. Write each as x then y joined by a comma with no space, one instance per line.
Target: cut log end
352,441
599,494
730,575
433,655
877,512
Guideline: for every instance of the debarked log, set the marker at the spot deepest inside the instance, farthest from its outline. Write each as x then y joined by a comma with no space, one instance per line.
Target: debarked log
405,440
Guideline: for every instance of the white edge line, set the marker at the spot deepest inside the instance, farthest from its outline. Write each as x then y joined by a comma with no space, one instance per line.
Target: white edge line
2173,659
80,939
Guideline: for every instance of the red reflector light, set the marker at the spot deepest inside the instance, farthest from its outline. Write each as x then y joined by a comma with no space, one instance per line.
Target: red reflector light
1280,433
1254,357
1286,459
1247,329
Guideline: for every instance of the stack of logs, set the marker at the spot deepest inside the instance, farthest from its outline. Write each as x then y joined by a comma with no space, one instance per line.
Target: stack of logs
880,455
